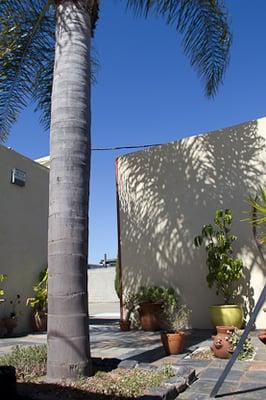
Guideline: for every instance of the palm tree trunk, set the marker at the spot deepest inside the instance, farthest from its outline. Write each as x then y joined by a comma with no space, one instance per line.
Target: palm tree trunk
68,336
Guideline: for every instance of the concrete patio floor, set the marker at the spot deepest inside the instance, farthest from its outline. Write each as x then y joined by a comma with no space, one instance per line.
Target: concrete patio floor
247,379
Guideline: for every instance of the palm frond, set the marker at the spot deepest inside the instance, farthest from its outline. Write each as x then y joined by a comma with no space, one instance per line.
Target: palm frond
26,33
206,34
94,15
27,42
42,90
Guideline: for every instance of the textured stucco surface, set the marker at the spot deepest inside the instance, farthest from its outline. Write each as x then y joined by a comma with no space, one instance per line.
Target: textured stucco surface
101,285
167,193
23,230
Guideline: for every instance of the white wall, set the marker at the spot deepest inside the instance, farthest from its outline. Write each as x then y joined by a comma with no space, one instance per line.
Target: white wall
101,285
168,192
23,230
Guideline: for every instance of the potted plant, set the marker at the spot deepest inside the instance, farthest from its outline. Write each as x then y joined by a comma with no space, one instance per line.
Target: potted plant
130,305
152,301
258,221
10,322
224,270
176,321
248,350
39,302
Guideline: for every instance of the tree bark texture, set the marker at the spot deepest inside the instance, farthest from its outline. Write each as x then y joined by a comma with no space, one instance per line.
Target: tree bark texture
68,331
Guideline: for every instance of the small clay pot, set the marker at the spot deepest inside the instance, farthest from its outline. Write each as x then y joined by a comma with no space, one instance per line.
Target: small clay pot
150,316
221,346
124,325
173,342
262,337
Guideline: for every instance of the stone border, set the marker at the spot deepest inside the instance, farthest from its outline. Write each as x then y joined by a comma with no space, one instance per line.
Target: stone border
183,377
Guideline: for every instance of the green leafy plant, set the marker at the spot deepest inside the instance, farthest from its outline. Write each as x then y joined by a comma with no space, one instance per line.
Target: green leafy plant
126,383
258,217
177,318
248,349
130,304
117,282
40,301
167,297
30,361
155,294
223,269
3,277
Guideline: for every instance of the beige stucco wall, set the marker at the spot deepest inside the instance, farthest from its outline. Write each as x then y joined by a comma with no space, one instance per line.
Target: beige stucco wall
101,286
23,230
168,192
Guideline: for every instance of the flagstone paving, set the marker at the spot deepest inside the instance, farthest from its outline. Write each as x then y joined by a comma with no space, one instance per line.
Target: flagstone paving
247,379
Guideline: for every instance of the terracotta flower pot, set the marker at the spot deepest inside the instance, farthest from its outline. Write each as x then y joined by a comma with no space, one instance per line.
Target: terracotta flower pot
150,316
262,337
221,346
124,325
173,342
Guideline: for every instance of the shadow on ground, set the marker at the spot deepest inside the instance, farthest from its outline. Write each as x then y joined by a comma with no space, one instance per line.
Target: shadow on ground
47,391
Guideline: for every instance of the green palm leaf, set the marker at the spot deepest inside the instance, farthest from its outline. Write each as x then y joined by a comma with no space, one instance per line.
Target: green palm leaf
206,35
26,34
27,41
27,30
42,90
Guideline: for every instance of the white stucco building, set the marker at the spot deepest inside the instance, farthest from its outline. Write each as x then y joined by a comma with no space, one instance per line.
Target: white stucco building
23,229
166,193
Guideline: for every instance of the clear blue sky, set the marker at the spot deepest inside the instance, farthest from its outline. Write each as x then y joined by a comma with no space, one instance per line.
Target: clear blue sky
148,93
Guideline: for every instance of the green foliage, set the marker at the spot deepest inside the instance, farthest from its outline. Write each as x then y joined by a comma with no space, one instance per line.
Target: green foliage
248,349
167,297
117,282
39,302
30,362
130,303
223,269
125,383
27,44
206,38
3,277
27,47
155,294
258,218
176,318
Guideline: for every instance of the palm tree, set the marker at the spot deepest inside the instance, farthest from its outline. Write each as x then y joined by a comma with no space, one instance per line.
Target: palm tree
30,30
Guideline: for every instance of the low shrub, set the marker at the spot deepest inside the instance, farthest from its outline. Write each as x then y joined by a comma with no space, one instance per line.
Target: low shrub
30,361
